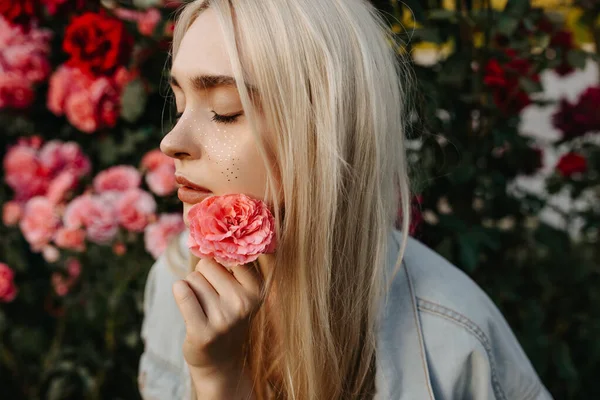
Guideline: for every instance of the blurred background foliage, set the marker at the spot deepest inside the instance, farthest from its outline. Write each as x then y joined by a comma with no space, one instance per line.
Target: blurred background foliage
70,310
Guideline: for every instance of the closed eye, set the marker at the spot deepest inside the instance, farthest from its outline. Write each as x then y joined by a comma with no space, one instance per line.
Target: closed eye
225,119
218,118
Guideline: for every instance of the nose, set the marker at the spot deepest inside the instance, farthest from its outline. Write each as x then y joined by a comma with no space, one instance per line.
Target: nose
179,144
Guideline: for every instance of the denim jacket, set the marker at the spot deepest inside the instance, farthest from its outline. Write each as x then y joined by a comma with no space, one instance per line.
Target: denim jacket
440,337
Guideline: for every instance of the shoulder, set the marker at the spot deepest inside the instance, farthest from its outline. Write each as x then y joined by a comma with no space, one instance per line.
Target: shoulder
468,348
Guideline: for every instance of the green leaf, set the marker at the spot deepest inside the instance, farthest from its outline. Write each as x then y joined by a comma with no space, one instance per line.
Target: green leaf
577,58
428,35
566,367
133,101
454,70
442,15
507,25
463,174
530,86
468,252
517,8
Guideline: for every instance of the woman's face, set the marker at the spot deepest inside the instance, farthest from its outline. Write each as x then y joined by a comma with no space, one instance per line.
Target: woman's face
212,144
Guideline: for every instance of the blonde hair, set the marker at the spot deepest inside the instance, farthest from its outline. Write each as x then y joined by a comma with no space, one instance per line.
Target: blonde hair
333,91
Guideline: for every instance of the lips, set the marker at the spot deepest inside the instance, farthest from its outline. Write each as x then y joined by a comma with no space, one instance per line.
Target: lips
189,192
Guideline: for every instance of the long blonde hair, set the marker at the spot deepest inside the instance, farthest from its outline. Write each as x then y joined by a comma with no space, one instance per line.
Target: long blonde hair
333,90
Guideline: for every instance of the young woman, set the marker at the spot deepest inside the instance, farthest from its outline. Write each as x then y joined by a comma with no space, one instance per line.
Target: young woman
301,103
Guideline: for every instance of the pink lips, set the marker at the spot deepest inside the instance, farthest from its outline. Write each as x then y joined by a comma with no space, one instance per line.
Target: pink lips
189,192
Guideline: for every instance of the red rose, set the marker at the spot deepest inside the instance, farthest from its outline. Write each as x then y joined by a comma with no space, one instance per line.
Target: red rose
503,79
580,118
562,39
587,109
563,42
18,11
97,44
571,163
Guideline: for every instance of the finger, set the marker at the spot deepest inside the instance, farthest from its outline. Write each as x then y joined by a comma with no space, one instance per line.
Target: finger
219,277
188,305
248,276
205,293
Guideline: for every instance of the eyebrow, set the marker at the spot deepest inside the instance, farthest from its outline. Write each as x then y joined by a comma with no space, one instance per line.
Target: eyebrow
207,82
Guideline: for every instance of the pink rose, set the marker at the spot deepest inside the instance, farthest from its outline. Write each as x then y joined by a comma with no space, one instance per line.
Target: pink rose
8,290
25,173
50,170
160,177
15,91
154,159
24,62
89,103
60,186
96,214
11,213
59,156
71,239
60,284
162,180
73,268
233,229
102,222
135,209
158,235
39,222
148,20
118,178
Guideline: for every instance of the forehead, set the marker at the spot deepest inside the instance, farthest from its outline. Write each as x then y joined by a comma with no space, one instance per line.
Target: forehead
202,49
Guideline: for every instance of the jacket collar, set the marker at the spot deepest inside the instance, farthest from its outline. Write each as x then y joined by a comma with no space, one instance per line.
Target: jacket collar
402,369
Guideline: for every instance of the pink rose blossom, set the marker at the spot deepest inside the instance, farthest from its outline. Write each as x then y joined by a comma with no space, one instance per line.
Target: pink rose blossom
50,170
74,268
148,20
25,173
160,177
75,214
39,222
8,290
96,214
119,248
161,181
11,213
233,229
71,239
60,186
59,156
60,284
89,103
154,159
23,62
135,209
158,235
118,178
15,91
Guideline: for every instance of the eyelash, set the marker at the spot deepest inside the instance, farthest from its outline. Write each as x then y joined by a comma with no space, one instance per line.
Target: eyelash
222,119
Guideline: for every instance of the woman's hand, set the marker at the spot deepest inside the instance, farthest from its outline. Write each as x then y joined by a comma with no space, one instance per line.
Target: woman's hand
216,306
